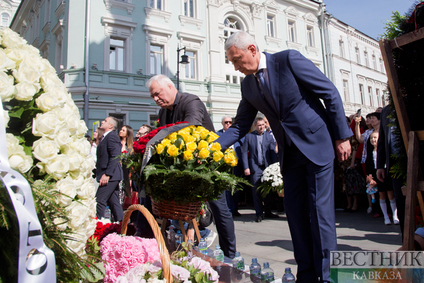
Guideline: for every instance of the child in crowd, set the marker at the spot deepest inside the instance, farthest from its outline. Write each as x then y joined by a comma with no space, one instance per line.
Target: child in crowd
383,189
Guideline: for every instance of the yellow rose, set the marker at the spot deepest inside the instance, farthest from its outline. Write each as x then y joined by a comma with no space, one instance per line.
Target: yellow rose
160,148
188,155
172,137
199,128
202,144
196,136
212,137
229,158
217,156
191,146
204,153
204,134
215,146
165,142
172,150
185,135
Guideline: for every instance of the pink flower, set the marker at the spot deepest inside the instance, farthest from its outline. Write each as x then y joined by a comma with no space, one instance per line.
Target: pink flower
179,272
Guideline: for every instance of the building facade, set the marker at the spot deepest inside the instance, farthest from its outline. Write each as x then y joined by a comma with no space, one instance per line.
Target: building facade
353,62
128,41
7,11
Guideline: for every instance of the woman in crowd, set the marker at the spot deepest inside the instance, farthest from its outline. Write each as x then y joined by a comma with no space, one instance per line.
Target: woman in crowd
126,135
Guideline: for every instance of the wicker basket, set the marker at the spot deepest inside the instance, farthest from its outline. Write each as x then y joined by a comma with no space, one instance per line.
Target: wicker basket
172,210
164,255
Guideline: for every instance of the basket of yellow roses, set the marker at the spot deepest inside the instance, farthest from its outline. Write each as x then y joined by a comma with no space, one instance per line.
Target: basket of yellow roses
184,167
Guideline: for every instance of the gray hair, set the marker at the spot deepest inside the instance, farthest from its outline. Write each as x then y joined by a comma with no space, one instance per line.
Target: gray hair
160,79
240,40
226,116
114,121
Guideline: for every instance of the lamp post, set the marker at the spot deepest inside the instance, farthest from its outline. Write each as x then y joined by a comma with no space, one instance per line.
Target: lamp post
184,60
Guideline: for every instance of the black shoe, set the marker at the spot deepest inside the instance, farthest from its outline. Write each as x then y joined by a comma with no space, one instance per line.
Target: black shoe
236,214
258,219
271,215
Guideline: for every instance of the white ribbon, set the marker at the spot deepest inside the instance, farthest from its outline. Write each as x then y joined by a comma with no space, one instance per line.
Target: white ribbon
36,261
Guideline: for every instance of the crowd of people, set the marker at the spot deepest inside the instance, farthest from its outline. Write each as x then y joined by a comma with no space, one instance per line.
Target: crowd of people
296,113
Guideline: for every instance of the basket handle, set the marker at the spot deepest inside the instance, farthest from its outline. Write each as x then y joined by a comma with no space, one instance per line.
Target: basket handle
164,254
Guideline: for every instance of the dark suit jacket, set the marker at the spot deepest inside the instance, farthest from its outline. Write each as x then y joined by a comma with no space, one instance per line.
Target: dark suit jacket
108,161
187,107
250,151
297,87
238,170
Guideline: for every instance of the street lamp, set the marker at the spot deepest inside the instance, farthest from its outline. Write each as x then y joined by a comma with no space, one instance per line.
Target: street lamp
184,60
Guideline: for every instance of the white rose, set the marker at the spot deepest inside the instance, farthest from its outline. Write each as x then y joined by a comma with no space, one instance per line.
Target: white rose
75,160
12,144
47,102
87,167
60,223
68,187
59,92
20,161
16,55
81,145
82,129
58,166
87,190
49,79
46,69
5,62
30,50
91,205
6,118
46,124
27,73
26,91
7,88
11,39
77,247
63,137
45,149
78,214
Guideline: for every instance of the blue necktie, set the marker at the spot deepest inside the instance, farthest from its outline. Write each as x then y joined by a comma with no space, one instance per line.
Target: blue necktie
263,85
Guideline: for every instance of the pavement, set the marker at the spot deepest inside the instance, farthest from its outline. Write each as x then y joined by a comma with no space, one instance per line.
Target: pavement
270,241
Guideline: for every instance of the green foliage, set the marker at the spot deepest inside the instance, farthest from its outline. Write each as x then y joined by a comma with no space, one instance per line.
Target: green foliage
266,188
391,27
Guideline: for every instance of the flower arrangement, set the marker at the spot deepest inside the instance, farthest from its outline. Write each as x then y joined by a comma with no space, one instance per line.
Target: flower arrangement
46,143
188,166
272,180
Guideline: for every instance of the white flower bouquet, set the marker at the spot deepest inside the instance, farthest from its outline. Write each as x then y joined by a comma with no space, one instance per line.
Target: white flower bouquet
272,180
46,143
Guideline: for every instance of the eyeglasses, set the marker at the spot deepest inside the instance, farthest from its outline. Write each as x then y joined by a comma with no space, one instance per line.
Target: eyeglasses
228,122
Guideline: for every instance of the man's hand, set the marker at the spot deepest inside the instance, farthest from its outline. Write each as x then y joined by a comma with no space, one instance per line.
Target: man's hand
381,175
342,150
247,172
104,180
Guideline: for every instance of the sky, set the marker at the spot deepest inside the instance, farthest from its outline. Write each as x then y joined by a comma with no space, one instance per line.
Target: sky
367,16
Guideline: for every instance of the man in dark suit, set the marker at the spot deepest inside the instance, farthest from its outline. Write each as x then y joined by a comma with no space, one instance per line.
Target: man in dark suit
108,170
232,199
177,107
386,147
306,114
258,153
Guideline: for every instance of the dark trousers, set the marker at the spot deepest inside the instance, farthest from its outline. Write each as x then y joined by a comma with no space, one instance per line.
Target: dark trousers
224,225
232,201
309,205
109,195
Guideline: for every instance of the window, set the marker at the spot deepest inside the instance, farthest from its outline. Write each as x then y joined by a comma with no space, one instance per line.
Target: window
377,92
374,62
190,69
156,59
5,19
47,11
367,63
189,8
156,4
346,90
358,56
231,26
370,96
292,31
310,36
116,55
361,92
381,65
270,24
341,48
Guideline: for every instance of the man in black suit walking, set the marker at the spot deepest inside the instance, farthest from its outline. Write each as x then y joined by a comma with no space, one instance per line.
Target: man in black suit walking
108,170
177,107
